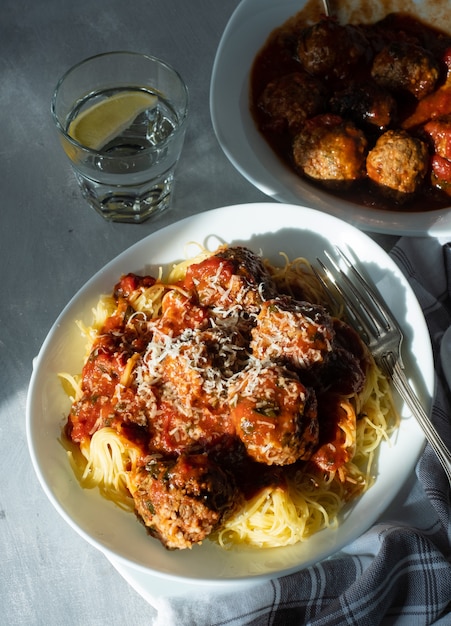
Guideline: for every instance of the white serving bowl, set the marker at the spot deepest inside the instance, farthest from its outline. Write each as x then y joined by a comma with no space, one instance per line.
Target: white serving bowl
245,34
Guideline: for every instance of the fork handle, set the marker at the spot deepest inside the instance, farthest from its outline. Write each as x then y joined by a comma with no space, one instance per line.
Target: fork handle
406,392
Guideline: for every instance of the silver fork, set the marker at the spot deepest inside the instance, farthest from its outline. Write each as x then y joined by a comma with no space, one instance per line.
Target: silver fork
368,314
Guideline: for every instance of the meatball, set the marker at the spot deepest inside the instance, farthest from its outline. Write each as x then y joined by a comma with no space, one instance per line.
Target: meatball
290,100
398,164
233,277
196,365
189,383
402,66
188,369
330,48
178,313
181,502
330,150
288,331
346,367
247,265
274,415
365,103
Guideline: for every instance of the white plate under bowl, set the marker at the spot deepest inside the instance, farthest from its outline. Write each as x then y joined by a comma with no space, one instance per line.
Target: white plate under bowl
270,228
247,150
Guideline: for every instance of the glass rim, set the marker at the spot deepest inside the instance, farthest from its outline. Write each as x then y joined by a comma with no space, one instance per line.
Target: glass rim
150,57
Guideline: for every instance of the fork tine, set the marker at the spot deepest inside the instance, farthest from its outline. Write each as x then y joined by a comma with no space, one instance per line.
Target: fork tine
325,284
378,306
356,309
328,279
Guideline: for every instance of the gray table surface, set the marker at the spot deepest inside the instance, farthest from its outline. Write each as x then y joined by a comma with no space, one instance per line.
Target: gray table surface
52,242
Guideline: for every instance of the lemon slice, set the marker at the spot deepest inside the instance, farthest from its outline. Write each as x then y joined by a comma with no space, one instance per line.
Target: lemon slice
107,119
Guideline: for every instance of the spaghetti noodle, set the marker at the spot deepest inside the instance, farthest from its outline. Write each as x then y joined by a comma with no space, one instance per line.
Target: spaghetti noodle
226,402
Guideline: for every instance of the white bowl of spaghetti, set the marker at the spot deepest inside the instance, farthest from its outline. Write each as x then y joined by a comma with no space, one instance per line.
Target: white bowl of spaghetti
241,548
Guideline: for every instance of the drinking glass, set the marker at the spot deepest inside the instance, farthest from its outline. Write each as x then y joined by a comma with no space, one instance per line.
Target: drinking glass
125,167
